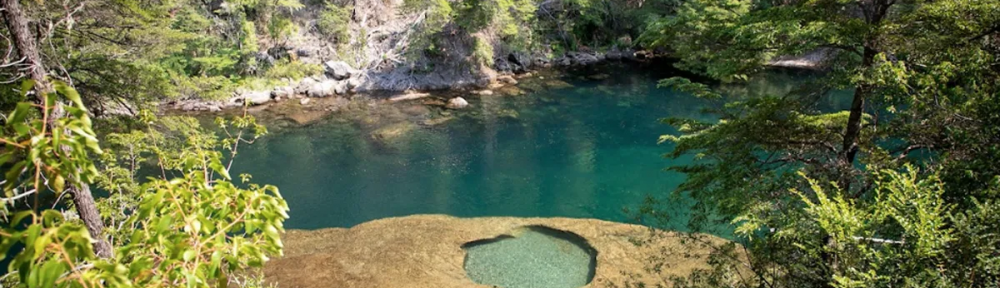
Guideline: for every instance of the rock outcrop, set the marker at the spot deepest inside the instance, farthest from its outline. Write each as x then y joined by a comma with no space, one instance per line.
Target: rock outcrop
426,251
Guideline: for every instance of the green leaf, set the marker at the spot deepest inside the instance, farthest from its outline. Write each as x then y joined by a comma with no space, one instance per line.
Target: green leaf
20,112
26,86
69,93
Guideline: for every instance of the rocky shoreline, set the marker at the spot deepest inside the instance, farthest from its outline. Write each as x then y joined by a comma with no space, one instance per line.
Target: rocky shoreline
426,251
343,81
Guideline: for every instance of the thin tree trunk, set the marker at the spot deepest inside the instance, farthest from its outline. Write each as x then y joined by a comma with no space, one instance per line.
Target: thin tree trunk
24,40
83,199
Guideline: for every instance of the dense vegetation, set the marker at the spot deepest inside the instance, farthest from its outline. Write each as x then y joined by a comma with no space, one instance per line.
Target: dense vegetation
902,188
899,190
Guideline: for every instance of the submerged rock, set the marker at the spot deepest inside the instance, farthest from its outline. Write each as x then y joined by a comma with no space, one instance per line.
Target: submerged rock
408,96
392,132
506,79
457,103
426,251
484,92
437,121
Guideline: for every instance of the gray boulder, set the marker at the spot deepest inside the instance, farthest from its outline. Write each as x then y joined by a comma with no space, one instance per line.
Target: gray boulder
338,70
304,85
340,87
322,89
256,97
584,58
283,92
614,55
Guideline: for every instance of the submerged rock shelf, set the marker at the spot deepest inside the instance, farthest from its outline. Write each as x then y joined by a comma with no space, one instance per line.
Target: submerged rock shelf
427,251
531,257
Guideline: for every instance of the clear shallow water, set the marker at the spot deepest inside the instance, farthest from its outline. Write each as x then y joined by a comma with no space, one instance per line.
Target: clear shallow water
584,146
535,257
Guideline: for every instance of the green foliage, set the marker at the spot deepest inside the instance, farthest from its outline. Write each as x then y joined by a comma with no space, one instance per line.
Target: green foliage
333,22
292,69
157,45
598,24
482,52
196,229
923,96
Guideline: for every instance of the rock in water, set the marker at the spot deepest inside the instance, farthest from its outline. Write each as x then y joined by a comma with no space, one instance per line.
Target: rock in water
339,70
457,103
506,79
388,134
304,101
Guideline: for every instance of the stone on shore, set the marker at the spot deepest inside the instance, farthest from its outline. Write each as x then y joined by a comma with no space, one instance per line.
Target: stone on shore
339,70
322,89
256,97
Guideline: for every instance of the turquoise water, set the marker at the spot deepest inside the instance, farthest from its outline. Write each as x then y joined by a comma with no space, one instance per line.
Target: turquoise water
535,257
583,146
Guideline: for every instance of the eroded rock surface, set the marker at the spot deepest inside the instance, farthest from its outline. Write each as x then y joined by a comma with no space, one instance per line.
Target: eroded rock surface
426,251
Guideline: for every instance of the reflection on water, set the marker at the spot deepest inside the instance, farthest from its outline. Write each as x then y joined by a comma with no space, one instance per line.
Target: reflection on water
584,147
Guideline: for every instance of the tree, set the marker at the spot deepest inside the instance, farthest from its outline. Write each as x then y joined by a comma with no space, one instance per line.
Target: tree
922,77
23,39
195,229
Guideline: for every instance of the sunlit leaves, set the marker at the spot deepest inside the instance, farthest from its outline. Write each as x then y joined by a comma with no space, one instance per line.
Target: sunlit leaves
196,229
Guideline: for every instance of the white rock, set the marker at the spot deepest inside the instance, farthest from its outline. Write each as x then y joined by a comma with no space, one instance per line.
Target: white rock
282,92
304,85
457,103
322,89
340,88
256,97
304,101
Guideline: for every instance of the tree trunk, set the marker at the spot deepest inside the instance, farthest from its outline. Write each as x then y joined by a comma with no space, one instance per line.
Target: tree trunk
850,147
87,208
24,41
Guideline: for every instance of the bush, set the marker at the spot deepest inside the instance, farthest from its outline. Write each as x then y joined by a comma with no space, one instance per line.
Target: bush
333,22
286,68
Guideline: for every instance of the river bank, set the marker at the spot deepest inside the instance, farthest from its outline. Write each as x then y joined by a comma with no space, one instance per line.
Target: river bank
340,80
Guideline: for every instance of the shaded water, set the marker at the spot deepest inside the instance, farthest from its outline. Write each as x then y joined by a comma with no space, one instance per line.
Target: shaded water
582,145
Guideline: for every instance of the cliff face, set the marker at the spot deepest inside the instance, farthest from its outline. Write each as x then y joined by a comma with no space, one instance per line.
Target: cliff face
426,251
398,47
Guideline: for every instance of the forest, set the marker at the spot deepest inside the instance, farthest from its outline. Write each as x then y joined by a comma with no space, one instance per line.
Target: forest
106,186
